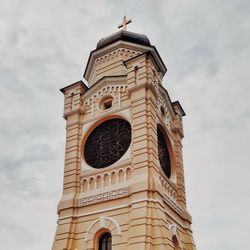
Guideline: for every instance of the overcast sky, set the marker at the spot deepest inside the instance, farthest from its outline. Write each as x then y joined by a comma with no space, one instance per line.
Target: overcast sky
44,46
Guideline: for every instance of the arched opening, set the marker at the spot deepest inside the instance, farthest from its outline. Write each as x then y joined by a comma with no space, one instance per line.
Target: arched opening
163,113
98,181
106,180
102,234
113,178
120,176
106,103
176,243
128,174
105,242
84,185
92,183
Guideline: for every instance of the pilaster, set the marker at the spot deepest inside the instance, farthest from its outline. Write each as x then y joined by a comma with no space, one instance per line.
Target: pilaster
73,112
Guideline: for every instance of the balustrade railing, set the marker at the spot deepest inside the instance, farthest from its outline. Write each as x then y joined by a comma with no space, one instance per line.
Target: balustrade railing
168,188
102,180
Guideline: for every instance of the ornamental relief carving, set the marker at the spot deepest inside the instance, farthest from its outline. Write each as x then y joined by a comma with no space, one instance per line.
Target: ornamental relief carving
105,179
116,89
163,112
168,188
173,204
177,126
170,195
96,226
110,195
115,92
119,52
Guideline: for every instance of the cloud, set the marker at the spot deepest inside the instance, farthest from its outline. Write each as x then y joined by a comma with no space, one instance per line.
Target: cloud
44,45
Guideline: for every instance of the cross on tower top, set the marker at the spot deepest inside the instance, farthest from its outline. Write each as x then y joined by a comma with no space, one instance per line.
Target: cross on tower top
124,23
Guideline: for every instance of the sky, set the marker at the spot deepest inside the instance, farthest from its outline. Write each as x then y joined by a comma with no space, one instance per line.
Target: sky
44,46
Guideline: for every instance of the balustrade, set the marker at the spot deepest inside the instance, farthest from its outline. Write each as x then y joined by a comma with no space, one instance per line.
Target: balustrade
168,188
110,178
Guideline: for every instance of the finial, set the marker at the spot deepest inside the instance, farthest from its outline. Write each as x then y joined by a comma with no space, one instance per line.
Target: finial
124,22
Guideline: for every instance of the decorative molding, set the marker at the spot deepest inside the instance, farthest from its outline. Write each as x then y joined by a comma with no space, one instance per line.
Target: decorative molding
176,126
163,94
115,90
102,224
143,85
170,194
123,53
110,56
123,111
172,229
162,106
60,218
109,89
114,176
168,187
172,204
79,111
114,194
174,233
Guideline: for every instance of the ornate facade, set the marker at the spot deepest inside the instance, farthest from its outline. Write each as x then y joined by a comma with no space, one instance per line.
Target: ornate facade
123,176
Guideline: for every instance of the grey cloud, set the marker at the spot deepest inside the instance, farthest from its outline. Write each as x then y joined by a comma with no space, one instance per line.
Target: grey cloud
44,45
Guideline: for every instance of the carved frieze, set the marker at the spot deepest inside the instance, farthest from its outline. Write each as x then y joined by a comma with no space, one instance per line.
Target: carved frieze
164,112
119,52
109,89
114,194
176,126
172,204
115,57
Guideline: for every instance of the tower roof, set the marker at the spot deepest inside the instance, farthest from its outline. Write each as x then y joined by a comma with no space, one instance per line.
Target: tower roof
123,35
121,39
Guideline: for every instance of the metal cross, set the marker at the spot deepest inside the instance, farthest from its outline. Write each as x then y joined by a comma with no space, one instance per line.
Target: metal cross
124,23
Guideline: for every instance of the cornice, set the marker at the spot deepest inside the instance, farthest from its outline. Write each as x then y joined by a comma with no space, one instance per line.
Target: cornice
120,44
73,85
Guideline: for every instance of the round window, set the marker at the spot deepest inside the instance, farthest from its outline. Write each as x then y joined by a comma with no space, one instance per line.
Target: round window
107,143
163,154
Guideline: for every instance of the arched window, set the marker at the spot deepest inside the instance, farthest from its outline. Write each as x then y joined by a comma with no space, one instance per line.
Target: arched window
176,243
105,242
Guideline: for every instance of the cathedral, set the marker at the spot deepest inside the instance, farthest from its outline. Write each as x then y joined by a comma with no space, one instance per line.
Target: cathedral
123,185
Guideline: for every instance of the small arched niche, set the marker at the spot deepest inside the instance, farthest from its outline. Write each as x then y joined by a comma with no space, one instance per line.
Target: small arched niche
106,103
163,112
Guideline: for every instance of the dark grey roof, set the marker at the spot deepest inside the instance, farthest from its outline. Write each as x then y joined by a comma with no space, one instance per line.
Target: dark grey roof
124,36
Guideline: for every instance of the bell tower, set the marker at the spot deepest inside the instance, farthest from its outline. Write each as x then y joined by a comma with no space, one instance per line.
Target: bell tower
123,176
